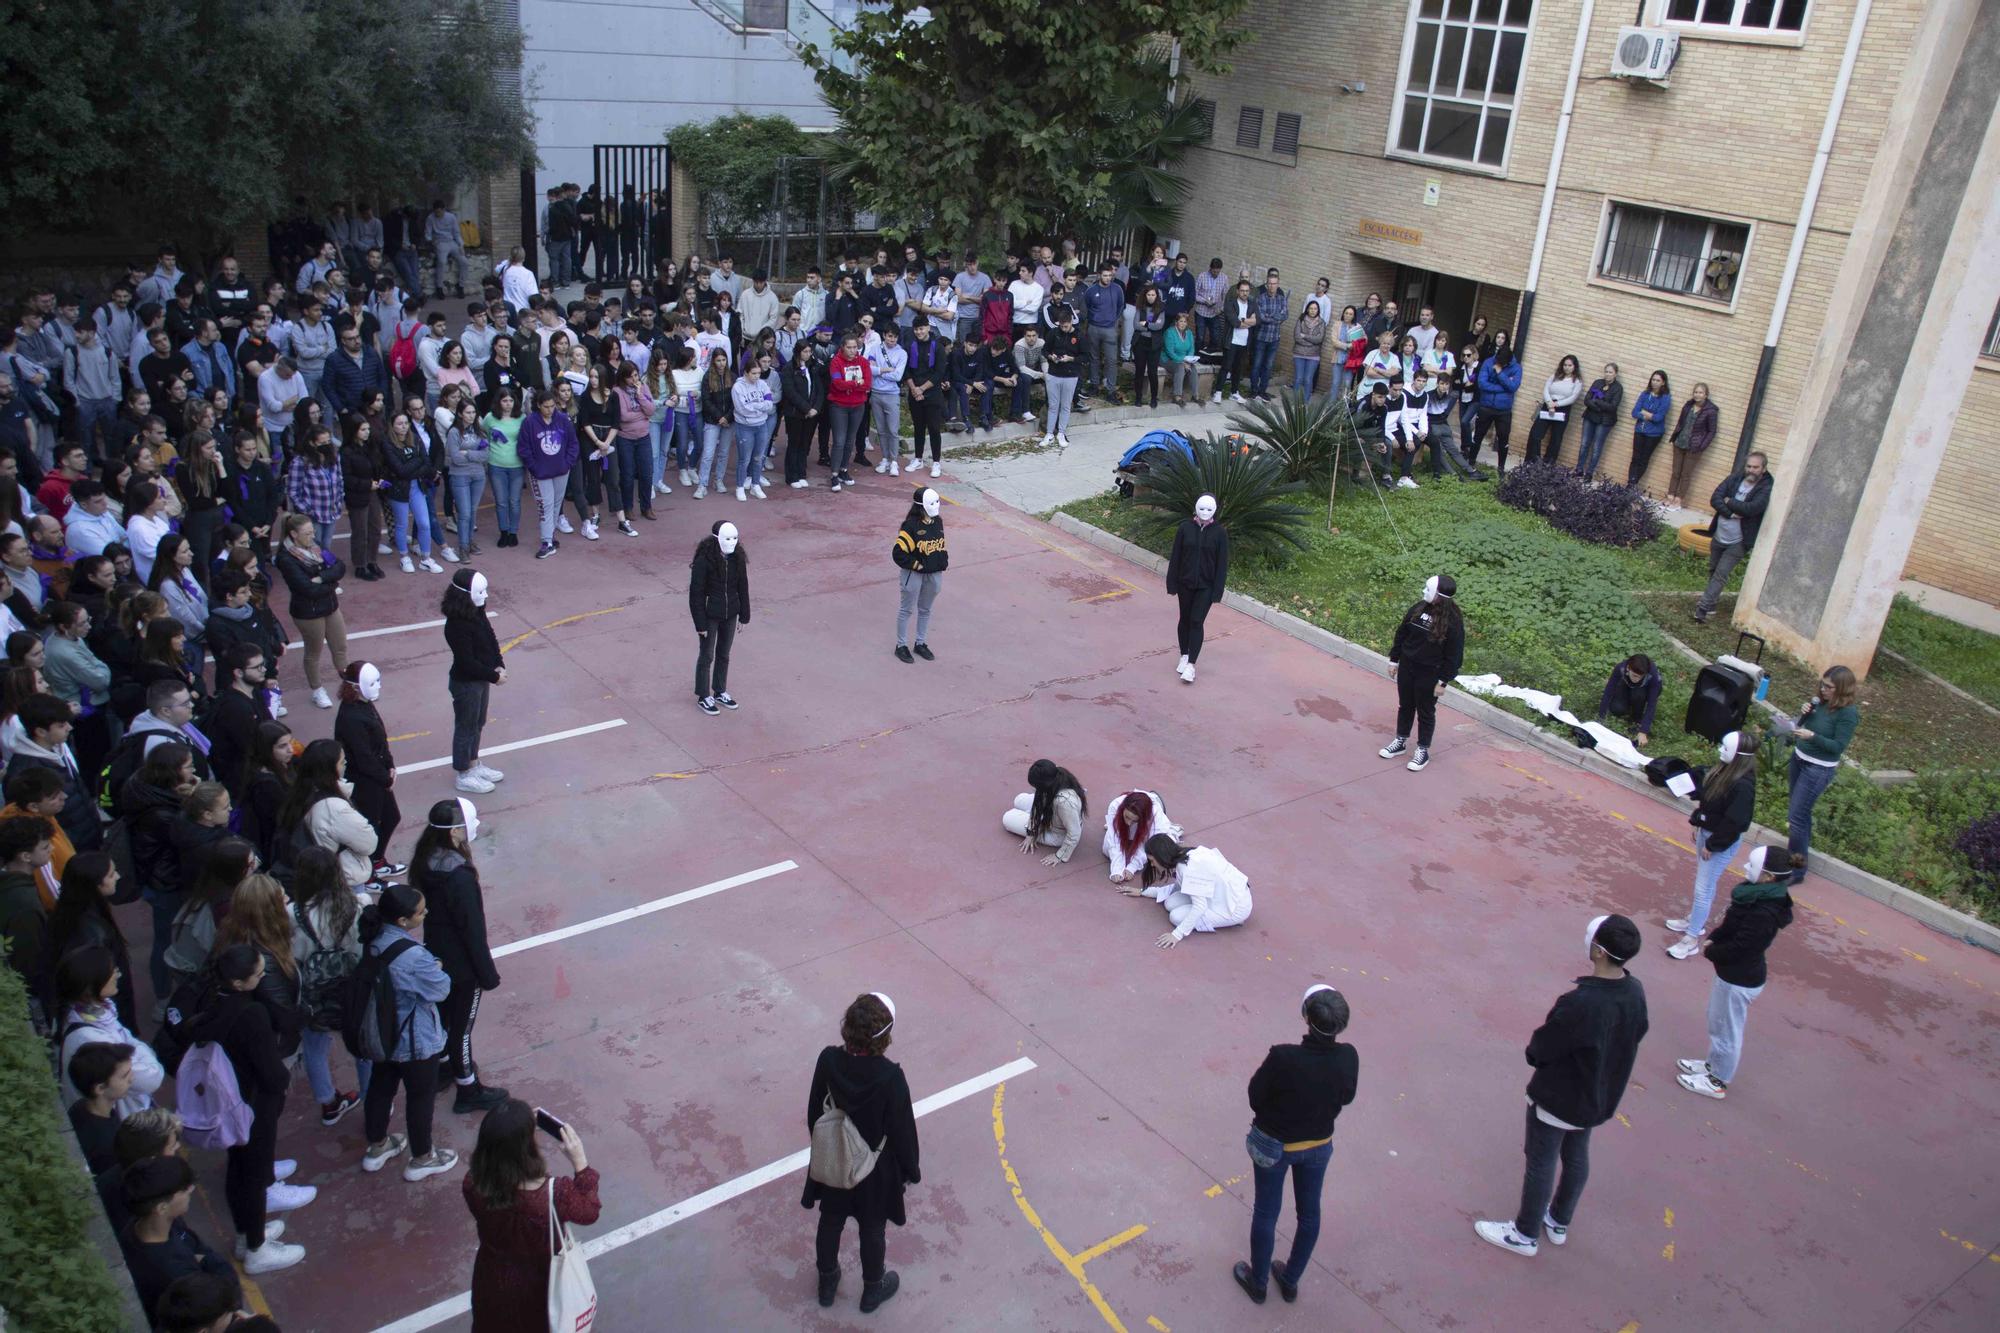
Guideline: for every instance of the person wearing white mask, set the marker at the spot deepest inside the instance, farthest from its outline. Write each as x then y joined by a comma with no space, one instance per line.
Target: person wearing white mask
1133,818
1725,797
921,556
371,767
476,667
1759,908
1197,571
718,601
441,868
1425,655
1295,1097
1582,1055
1198,886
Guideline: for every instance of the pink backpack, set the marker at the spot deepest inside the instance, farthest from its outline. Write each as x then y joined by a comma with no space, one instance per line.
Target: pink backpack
212,1110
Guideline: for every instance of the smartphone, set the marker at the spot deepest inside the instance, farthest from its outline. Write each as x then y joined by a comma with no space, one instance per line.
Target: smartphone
548,1124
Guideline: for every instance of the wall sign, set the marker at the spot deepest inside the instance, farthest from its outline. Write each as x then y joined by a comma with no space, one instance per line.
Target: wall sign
1384,231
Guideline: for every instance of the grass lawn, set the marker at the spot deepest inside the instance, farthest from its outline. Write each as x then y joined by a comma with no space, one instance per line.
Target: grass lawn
1549,612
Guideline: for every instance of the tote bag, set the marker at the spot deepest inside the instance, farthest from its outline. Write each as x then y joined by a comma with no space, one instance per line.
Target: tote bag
572,1295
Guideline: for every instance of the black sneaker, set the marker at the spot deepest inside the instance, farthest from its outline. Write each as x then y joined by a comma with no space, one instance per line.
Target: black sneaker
1392,749
477,1097
708,706
829,1287
923,650
1286,1287
383,869
834,485
727,702
1242,1275
331,1112
1420,761
903,655
545,550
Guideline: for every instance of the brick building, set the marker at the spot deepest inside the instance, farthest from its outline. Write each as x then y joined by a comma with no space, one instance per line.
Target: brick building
1406,148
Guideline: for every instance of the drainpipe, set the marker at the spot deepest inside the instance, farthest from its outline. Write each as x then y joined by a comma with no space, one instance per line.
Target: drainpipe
1555,171
1800,229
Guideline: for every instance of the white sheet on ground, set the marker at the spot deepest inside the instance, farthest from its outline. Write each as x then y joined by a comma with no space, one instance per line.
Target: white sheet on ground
1610,744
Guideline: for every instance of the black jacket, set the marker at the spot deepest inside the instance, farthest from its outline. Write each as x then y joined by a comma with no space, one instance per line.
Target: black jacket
254,495
1414,646
365,741
260,629
403,463
192,843
360,474
78,816
455,930
802,390
1065,353
929,362
1727,817
1624,699
1584,1050
1299,1090
1750,512
872,1091
1737,946
313,586
149,812
475,649
259,803
717,406
242,1024
920,544
24,930
1200,560
718,585
232,734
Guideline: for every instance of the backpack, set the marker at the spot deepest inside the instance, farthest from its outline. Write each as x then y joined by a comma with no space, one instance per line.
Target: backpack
403,354
323,974
123,762
118,846
468,234
368,1026
212,1110
171,1042
840,1157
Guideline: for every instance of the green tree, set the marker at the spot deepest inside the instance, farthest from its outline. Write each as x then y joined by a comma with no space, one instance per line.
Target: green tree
207,116
734,162
997,116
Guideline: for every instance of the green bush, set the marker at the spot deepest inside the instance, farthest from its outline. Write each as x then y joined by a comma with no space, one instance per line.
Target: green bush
1302,432
1252,498
52,1279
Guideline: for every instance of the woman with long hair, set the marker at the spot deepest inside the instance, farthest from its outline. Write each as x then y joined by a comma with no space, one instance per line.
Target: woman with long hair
1649,424
870,1090
176,578
636,473
163,656
88,977
442,870
1198,886
476,667
1725,797
405,462
1499,381
595,480
1133,818
371,767
148,803
224,863
1559,394
502,424
1050,813
1424,657
313,573
327,915
202,483
83,916
1693,433
389,927
313,482
267,776
318,800
510,1194
718,422
1349,338
466,449
1758,909
260,916
1819,738
1309,336
682,436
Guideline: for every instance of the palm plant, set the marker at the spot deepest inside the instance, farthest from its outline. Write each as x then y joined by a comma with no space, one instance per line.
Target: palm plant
1303,432
1253,498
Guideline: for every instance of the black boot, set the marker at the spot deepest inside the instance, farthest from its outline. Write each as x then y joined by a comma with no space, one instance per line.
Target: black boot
829,1284
477,1097
874,1294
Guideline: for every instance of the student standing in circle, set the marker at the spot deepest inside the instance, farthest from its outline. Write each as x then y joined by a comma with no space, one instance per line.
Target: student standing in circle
1197,571
1050,812
1759,908
1198,886
510,1193
718,601
441,869
1295,1097
921,555
476,667
1426,654
1725,797
872,1093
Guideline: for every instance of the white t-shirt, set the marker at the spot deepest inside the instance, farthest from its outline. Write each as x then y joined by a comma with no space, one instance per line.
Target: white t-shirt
1238,335
1028,297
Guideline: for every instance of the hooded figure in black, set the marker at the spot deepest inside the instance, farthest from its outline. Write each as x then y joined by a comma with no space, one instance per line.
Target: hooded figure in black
920,553
873,1094
1759,908
455,933
1197,570
719,601
1427,652
371,767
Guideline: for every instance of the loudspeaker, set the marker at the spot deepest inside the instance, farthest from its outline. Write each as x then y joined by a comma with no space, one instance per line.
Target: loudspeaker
1720,702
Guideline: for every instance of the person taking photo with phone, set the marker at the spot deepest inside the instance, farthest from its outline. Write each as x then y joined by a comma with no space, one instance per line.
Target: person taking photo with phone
509,1191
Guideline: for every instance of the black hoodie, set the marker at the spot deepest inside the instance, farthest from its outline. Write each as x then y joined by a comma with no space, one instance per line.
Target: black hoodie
243,1026
1584,1050
718,584
1757,912
920,541
455,930
872,1091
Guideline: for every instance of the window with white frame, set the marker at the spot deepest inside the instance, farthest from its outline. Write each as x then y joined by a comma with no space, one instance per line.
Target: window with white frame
1461,80
1740,15
1681,253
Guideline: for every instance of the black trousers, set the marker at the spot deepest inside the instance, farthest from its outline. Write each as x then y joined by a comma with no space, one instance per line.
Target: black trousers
874,1243
1416,697
825,434
798,442
1194,612
249,1171
1503,431
1145,371
418,1079
1540,1195
1642,454
713,659
927,417
1544,429
1235,366
459,1012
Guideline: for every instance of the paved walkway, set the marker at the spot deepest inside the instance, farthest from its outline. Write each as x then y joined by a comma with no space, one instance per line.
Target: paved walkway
1038,480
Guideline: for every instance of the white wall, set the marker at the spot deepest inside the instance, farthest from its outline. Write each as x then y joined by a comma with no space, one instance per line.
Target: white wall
625,71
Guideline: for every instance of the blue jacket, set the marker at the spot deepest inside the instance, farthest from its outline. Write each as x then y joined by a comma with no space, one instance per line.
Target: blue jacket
1497,387
420,983
1103,304
1660,405
346,383
204,373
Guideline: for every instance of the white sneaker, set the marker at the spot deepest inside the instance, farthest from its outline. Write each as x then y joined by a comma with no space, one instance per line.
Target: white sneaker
1062,441
662,488
883,467
1028,417
320,698
1216,397
757,489
1182,663
280,711
800,485
383,548
450,554
740,495
1687,946
271,1256
272,1230
895,469
1554,1232
937,469
470,780
409,565
1187,672
1702,1085
1234,398
374,1158
1507,1238
563,524
283,1168
440,1160
1692,1066
1045,441
283,1198
1406,483
1678,925
590,529
490,774
700,492
431,565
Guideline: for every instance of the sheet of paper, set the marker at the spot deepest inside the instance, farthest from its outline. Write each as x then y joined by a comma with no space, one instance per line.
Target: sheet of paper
1681,784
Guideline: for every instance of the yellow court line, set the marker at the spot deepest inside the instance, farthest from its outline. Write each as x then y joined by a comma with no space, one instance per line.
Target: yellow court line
1070,1263
1103,596
515,642
410,736
1105,1247
1153,1321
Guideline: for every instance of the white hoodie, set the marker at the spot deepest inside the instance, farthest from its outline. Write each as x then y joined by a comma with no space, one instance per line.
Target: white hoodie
80,1027
1220,893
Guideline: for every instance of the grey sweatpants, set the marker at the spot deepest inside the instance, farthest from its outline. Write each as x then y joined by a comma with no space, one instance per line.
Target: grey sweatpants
919,591
887,410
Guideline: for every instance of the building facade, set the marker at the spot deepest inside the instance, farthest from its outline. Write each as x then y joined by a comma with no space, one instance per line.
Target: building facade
1408,148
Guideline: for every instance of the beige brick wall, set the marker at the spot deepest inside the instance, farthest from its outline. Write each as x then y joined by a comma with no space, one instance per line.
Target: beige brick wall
1960,533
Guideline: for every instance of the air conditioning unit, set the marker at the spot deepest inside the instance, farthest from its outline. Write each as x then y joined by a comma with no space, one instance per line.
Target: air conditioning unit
1644,53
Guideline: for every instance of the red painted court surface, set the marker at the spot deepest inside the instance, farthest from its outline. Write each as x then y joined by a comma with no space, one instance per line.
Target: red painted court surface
1084,1166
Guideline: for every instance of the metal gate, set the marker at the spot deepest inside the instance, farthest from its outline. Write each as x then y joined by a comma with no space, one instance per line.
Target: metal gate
648,169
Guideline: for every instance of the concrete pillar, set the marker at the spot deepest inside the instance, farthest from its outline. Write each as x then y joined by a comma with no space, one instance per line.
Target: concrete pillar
1916,292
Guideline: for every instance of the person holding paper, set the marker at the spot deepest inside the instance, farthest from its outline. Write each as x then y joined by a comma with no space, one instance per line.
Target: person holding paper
1725,797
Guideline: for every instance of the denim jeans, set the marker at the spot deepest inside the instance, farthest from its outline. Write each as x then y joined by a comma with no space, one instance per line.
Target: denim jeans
1808,783
918,591
466,493
1592,453
468,720
415,504
1262,354
1305,373
635,473
559,261
715,439
507,497
1342,379
314,1048
1270,1161
1707,874
753,441
848,423
92,413
1728,1009
1208,332
1541,1195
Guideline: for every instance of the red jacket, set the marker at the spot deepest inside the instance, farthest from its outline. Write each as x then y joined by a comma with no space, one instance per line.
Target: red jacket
849,380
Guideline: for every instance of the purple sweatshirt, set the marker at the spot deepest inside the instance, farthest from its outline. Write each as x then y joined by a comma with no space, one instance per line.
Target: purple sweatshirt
548,448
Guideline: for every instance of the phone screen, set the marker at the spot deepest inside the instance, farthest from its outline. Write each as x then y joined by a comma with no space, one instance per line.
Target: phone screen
548,1124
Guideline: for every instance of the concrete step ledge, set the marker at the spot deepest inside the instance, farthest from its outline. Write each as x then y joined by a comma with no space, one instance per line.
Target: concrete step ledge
1927,911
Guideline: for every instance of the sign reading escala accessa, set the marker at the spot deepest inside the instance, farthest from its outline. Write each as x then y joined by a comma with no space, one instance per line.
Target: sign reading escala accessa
1384,231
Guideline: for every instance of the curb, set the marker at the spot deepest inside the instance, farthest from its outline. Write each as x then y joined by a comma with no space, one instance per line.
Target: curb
1925,911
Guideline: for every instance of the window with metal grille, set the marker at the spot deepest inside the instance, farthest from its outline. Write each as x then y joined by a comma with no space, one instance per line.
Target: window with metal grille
1461,78
1250,127
1285,135
1740,15
1205,108
1673,252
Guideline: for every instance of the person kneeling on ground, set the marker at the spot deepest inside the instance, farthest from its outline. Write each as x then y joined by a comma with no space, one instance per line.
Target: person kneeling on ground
1632,693
1050,813
1133,818
1197,886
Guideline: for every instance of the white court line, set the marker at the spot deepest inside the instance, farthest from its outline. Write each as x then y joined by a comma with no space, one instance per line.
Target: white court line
549,739
392,629
710,1198
646,909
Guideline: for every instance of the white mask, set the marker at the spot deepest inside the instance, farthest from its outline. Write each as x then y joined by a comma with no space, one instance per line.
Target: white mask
1729,747
1753,868
369,682
470,816
932,503
1590,934
477,590
888,1004
1431,588
727,538
1204,509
